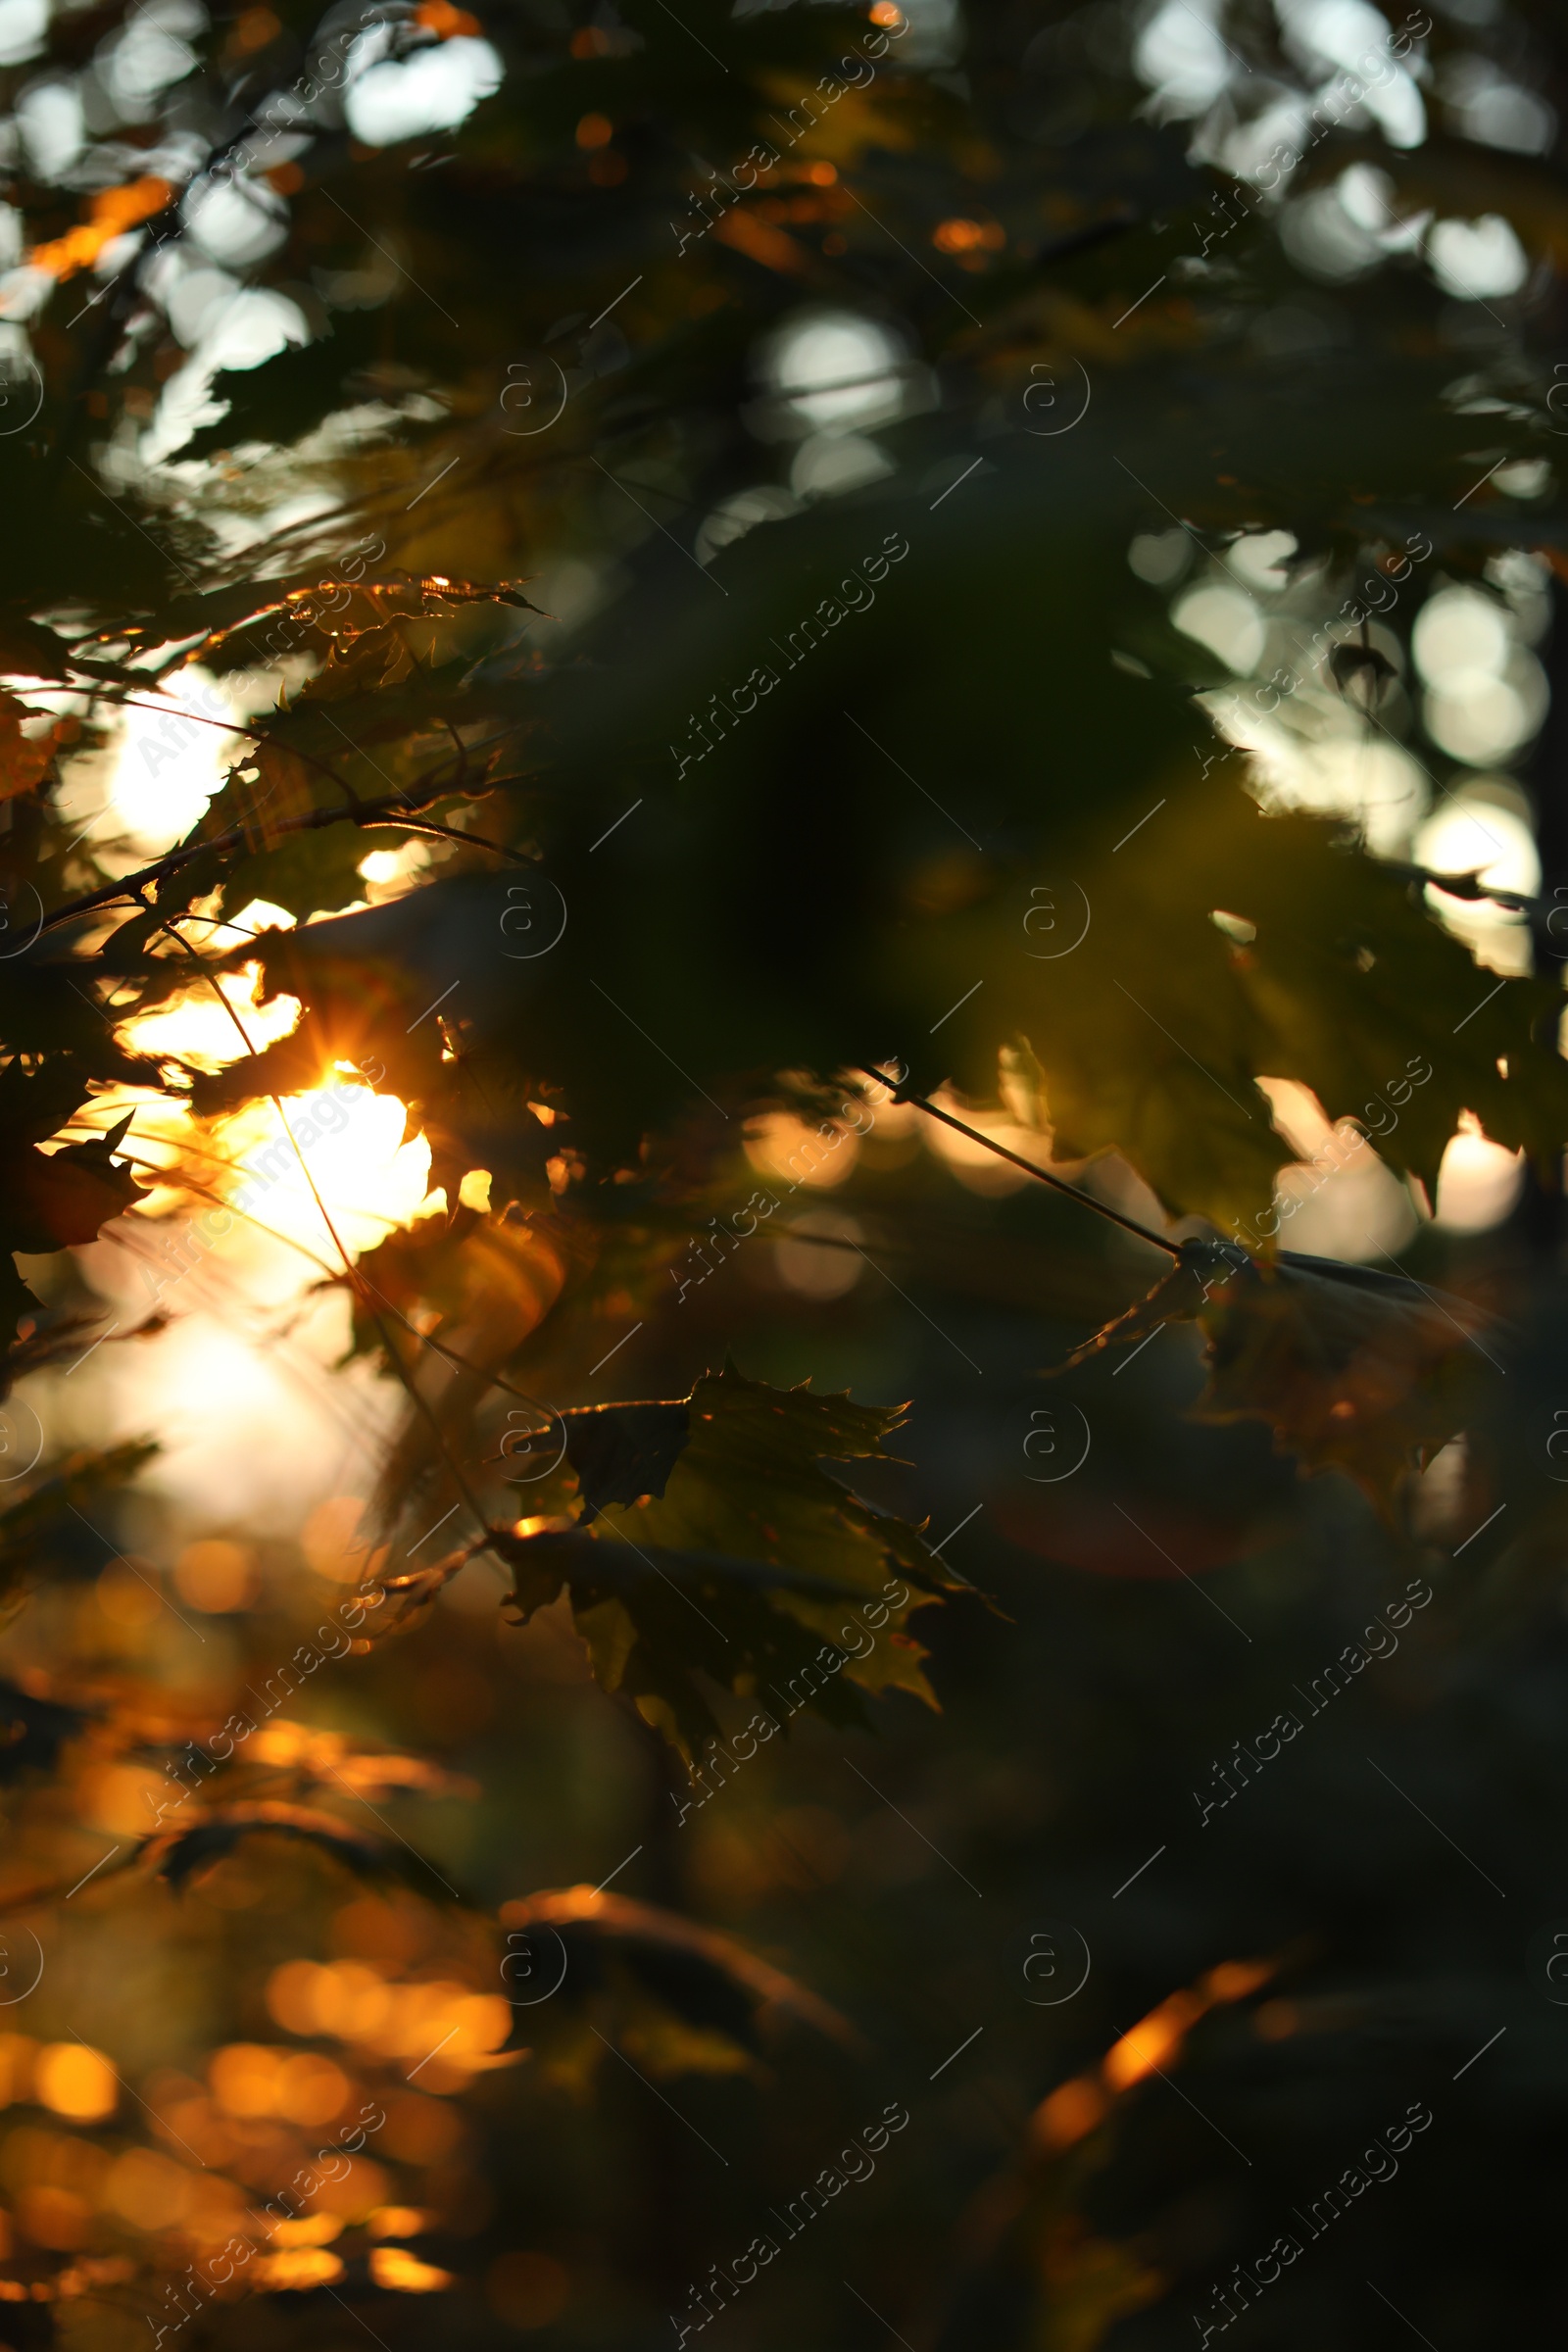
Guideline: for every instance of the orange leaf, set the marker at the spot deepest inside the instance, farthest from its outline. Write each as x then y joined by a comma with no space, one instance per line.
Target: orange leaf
108,214
24,758
760,242
444,21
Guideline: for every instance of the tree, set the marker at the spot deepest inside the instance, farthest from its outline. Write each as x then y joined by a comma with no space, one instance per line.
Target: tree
878,674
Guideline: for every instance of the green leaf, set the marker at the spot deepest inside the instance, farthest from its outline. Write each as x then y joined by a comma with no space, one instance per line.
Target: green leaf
739,1561
624,1452
768,1559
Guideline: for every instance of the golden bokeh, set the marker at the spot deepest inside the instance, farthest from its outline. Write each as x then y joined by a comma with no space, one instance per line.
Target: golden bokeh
333,1545
356,2193
297,2268
217,1576
148,2190
250,2079
128,1597
444,2027
55,2218
76,2081
309,2229
399,2221
311,2090
395,2267
244,2077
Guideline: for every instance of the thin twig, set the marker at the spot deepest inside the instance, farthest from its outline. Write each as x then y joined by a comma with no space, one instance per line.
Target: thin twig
1101,1209
178,1178
230,727
421,1404
369,814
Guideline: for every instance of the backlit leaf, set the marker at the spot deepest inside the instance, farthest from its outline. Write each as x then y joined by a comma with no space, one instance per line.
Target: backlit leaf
1352,1369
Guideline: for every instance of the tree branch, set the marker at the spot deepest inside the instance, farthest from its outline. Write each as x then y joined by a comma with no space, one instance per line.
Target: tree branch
367,813
1101,1209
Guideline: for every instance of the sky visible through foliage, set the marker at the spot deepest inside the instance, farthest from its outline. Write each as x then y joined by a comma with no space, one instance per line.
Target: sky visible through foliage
783,910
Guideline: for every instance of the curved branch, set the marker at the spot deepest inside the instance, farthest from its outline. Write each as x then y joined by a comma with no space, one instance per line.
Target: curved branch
367,813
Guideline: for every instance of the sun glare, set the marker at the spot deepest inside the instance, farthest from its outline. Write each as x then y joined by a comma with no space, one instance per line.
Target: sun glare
346,1156
207,1035
330,1162
169,754
239,1382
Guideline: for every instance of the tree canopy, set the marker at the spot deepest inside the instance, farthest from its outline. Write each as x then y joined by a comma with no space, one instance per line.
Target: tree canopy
782,828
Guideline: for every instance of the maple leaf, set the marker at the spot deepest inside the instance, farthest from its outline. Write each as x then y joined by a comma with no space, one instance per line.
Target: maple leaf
26,760
1354,1370
59,1199
711,1539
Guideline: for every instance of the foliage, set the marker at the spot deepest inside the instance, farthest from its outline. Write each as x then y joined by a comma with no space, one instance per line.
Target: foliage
743,817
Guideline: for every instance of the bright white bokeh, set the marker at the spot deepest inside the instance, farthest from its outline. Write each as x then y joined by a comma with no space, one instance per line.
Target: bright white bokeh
196,300
1482,719
237,221
53,127
1259,558
1353,37
1460,629
1367,197
148,53
1487,694
1482,830
834,371
229,1402
245,1376
1226,620
1477,260
23,25
1182,57
1256,149
1340,1199
1331,32
1324,241
434,90
1470,833
166,755
1478,1181
1374,783
239,331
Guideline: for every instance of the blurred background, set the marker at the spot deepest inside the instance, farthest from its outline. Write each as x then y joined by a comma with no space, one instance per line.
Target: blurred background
1144,1992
